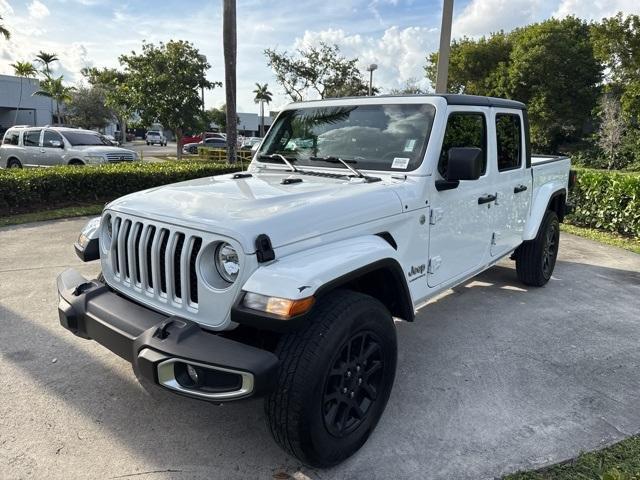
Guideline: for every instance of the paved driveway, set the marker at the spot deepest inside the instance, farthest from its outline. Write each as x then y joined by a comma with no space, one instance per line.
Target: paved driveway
492,378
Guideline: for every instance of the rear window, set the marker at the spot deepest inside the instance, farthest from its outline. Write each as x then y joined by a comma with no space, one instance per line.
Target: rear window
509,141
11,138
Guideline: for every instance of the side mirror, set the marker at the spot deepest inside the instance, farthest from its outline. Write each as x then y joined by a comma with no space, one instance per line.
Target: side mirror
465,163
56,144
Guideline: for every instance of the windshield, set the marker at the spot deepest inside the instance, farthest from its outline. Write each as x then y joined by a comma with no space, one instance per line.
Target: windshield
84,138
375,137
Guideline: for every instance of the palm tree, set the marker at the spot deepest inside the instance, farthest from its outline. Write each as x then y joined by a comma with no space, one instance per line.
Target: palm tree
46,59
56,90
3,31
262,95
22,70
230,49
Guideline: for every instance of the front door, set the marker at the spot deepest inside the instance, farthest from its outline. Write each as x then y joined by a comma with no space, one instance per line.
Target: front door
512,180
461,227
52,148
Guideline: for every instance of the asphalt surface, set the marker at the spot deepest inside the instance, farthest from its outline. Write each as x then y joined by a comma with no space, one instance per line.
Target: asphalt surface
493,377
141,147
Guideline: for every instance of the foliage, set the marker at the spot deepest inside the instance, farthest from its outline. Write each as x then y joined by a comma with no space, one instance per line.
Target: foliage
611,131
263,95
548,65
87,108
22,70
616,43
3,31
36,189
162,85
618,462
230,51
320,70
411,86
607,201
55,89
45,60
113,84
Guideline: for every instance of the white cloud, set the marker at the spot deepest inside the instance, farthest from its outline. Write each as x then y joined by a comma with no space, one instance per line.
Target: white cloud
38,10
597,9
481,17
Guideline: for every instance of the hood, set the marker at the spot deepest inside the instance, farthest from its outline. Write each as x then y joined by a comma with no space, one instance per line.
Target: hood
101,149
244,208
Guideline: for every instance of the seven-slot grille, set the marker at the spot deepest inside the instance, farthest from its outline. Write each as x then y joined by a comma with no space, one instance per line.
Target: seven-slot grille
120,157
155,259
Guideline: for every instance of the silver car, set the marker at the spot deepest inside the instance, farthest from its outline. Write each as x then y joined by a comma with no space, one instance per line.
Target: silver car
49,146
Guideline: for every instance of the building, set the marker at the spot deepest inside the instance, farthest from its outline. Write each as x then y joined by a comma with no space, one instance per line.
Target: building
249,124
33,110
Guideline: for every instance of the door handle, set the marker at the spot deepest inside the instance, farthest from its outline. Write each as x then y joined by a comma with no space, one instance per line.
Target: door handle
519,188
487,199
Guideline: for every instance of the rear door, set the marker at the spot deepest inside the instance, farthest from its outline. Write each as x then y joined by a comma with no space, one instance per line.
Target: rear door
460,230
32,151
511,179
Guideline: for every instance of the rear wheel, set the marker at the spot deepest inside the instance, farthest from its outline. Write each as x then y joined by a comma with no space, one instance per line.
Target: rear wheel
335,378
14,163
536,259
76,163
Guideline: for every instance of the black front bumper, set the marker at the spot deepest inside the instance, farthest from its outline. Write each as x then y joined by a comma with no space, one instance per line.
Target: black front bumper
152,341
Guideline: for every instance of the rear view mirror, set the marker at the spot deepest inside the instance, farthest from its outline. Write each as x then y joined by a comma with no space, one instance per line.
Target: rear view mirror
465,163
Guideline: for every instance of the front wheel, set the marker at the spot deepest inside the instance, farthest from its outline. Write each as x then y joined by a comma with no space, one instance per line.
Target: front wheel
335,377
536,259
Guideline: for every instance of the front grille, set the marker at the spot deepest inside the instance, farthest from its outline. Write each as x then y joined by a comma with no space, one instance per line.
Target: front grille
120,157
157,260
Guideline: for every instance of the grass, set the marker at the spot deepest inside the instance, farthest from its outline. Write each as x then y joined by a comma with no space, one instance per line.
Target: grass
66,212
617,462
608,238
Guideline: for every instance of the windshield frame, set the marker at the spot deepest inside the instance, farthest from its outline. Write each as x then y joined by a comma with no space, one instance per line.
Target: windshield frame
401,101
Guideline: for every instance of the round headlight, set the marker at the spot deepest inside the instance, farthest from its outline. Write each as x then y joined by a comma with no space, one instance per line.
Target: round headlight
227,262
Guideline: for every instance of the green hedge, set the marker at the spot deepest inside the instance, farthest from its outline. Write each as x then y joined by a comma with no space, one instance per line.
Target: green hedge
29,190
607,200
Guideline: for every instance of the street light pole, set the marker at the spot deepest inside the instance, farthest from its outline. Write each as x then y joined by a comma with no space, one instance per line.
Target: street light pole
445,47
371,68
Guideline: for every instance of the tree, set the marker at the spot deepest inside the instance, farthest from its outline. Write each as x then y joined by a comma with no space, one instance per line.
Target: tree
612,127
263,95
22,70
88,109
230,50
3,31
616,43
46,59
113,84
410,87
55,89
162,85
548,65
320,70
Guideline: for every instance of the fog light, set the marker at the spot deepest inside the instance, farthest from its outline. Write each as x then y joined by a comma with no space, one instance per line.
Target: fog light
193,373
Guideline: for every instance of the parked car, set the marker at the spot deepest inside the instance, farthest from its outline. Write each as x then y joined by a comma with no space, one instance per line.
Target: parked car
130,136
287,280
49,146
209,142
249,142
154,137
112,140
188,139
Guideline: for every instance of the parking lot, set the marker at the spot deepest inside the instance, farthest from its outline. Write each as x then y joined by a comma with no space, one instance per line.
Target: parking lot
493,377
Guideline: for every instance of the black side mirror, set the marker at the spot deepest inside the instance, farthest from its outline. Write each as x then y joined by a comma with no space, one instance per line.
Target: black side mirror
465,163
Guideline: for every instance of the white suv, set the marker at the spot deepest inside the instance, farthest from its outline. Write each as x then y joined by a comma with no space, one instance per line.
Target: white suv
49,146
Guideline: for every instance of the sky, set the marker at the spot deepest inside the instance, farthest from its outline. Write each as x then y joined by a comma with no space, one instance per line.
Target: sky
394,34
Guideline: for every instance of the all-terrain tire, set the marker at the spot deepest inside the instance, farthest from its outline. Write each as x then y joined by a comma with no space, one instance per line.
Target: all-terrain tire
334,379
536,259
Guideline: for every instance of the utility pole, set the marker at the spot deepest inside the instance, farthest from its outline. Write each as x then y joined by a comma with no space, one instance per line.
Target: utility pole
445,47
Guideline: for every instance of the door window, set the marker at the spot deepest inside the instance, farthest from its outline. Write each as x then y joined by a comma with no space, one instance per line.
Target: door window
32,138
50,137
509,141
464,129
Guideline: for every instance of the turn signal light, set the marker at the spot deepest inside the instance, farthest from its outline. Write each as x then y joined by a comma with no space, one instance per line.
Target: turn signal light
283,307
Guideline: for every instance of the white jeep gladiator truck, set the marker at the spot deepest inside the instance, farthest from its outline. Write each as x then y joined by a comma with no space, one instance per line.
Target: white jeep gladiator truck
284,280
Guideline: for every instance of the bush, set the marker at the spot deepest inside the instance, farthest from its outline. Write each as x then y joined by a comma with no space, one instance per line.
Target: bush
31,190
608,201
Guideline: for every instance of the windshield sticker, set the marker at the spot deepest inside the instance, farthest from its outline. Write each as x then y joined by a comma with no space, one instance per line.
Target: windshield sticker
410,145
400,162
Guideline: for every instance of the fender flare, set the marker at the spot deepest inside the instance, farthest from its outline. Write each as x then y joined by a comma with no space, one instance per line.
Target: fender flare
545,196
320,270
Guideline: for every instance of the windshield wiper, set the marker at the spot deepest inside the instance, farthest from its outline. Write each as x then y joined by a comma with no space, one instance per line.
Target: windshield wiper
346,163
274,156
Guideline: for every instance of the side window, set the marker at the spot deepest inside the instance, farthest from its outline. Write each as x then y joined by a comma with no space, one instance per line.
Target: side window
11,138
509,141
464,129
49,137
32,138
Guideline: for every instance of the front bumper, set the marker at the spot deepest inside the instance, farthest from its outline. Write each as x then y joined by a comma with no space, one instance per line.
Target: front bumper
160,347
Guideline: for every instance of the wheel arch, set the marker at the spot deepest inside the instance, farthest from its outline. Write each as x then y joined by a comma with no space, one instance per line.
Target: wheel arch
549,197
76,161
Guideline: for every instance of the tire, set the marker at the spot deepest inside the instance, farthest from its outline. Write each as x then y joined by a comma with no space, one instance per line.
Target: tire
345,355
76,163
536,259
147,144
14,163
